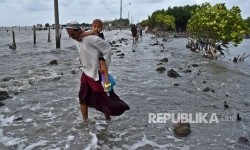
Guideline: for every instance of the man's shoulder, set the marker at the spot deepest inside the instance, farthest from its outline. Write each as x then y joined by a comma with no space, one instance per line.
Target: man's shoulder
90,38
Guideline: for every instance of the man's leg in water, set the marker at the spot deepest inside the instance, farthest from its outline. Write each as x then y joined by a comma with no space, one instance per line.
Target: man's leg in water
84,111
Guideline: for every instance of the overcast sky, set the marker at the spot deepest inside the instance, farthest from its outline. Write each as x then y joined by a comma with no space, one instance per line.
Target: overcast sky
32,12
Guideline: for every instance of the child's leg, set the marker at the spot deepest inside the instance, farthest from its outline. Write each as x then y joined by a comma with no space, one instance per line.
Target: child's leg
104,69
107,117
84,111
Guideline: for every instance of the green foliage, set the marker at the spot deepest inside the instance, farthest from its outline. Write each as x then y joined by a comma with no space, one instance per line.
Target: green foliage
181,14
247,21
145,23
166,22
217,23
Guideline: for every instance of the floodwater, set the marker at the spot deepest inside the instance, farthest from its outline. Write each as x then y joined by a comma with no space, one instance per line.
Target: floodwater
43,111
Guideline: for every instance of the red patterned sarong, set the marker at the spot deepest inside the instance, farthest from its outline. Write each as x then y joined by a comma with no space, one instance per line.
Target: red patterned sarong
92,94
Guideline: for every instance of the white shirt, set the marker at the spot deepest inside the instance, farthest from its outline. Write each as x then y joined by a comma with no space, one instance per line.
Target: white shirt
89,50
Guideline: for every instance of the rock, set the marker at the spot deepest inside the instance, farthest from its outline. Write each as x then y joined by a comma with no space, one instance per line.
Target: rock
206,89
243,140
225,104
113,48
204,81
8,79
118,51
56,78
161,69
238,117
164,60
1,104
195,65
53,62
226,95
73,71
18,119
117,45
187,71
154,44
182,129
4,95
122,54
213,91
235,60
133,50
173,74
164,39
176,84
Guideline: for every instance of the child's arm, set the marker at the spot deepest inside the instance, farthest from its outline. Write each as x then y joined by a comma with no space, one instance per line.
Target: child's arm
87,34
104,69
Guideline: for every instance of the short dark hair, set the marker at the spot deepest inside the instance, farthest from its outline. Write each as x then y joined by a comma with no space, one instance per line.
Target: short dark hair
97,21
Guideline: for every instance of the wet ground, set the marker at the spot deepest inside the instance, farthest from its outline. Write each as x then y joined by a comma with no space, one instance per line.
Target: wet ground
43,112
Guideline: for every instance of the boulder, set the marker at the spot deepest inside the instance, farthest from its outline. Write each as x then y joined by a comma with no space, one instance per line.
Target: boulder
195,65
1,104
4,95
8,79
53,62
122,54
243,140
164,60
161,69
176,84
173,74
225,104
206,89
182,129
187,71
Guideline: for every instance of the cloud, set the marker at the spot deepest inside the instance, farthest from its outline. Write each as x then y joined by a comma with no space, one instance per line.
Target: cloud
42,6
29,12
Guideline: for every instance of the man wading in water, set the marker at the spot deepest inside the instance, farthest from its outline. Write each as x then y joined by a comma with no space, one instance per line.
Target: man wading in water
91,92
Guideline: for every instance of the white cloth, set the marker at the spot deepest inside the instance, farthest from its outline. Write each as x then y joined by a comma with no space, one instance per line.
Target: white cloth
90,49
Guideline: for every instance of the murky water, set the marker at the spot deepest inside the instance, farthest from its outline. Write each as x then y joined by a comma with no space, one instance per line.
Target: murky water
43,112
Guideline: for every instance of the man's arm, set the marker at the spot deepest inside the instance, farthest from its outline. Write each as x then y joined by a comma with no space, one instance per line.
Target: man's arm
86,34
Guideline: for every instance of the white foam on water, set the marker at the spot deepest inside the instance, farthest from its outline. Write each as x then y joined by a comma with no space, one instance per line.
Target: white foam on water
38,106
49,115
33,145
185,147
35,124
93,144
5,109
145,141
9,141
67,146
26,82
28,120
6,121
175,139
68,139
119,138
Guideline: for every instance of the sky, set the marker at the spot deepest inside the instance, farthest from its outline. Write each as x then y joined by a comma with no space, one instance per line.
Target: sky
32,12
